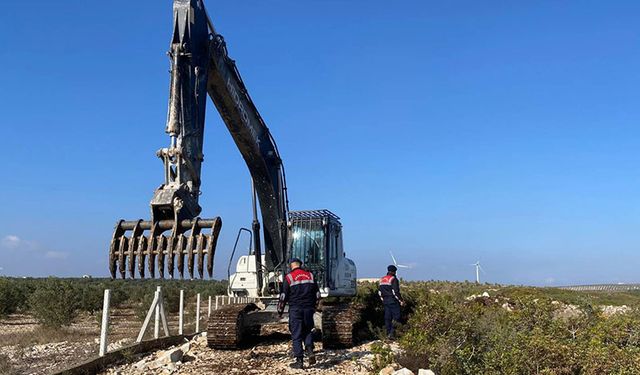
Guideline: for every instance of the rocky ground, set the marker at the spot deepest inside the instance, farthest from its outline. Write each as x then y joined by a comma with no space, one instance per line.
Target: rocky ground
28,348
269,354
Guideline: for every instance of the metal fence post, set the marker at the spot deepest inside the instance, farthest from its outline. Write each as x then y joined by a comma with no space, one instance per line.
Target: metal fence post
105,322
209,310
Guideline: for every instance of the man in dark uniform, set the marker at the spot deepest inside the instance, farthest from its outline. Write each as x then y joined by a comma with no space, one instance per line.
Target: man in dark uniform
300,290
389,292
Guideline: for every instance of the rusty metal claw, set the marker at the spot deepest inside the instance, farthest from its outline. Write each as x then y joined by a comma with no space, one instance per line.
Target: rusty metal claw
145,242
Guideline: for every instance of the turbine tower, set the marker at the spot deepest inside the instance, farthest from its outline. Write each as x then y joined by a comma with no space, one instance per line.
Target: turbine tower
478,269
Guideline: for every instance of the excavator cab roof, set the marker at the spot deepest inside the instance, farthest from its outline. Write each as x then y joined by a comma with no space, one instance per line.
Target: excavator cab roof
313,214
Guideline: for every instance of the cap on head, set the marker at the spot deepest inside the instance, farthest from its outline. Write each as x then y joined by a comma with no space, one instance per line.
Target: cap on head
392,268
295,260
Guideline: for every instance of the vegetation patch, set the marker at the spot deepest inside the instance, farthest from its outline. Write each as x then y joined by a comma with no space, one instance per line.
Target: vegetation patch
462,328
56,302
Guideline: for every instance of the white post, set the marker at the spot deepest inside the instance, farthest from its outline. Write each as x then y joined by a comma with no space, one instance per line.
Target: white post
105,322
181,316
163,317
198,313
156,327
148,318
209,311
217,302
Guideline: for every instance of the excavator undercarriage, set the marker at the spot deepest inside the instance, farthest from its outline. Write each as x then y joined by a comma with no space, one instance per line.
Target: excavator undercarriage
232,325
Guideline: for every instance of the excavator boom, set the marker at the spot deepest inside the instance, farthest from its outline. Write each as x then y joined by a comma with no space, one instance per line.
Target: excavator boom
200,65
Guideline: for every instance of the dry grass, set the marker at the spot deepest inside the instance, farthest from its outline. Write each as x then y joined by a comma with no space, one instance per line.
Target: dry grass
43,335
5,366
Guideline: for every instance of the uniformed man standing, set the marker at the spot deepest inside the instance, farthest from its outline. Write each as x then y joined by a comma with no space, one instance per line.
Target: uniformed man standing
300,290
389,291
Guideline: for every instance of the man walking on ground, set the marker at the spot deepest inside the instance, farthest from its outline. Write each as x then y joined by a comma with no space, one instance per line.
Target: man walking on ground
389,292
300,290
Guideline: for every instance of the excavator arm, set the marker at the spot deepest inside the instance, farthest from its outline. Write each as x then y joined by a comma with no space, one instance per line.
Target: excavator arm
200,65
257,146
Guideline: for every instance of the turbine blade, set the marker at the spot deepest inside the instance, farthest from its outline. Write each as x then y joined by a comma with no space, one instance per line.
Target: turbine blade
394,259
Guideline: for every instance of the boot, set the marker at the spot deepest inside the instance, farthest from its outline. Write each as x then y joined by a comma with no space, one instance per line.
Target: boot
298,364
391,337
311,356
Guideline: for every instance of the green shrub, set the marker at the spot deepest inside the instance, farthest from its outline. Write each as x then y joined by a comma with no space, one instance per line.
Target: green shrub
91,297
383,356
55,302
452,335
9,298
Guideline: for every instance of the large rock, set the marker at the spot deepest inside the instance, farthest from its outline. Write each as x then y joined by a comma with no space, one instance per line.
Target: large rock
389,370
608,311
200,339
426,372
167,359
185,348
171,356
403,371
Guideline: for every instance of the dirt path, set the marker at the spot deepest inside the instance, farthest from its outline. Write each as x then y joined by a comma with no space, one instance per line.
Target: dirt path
27,348
270,354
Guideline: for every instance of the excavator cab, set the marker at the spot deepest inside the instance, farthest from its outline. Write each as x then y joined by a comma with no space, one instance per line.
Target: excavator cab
315,237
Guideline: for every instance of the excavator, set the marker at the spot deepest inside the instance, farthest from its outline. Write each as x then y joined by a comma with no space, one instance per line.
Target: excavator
200,65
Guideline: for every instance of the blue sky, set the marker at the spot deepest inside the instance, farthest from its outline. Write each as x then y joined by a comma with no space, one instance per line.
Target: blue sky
445,131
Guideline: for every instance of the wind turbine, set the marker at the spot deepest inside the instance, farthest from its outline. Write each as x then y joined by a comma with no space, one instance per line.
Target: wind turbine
396,263
478,269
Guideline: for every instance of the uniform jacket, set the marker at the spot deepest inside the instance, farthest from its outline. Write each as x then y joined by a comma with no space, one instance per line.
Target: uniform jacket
299,289
389,290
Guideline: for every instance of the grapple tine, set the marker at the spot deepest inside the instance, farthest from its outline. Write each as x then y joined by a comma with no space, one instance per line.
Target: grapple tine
190,256
132,257
210,250
180,254
113,248
162,240
200,251
191,244
141,255
211,244
170,253
151,264
122,255
133,245
199,248
112,261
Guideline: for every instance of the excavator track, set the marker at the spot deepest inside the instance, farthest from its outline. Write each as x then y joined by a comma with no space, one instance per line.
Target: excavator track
339,322
226,329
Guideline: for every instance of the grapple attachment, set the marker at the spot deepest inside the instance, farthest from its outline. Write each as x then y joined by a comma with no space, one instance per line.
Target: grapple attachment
147,243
